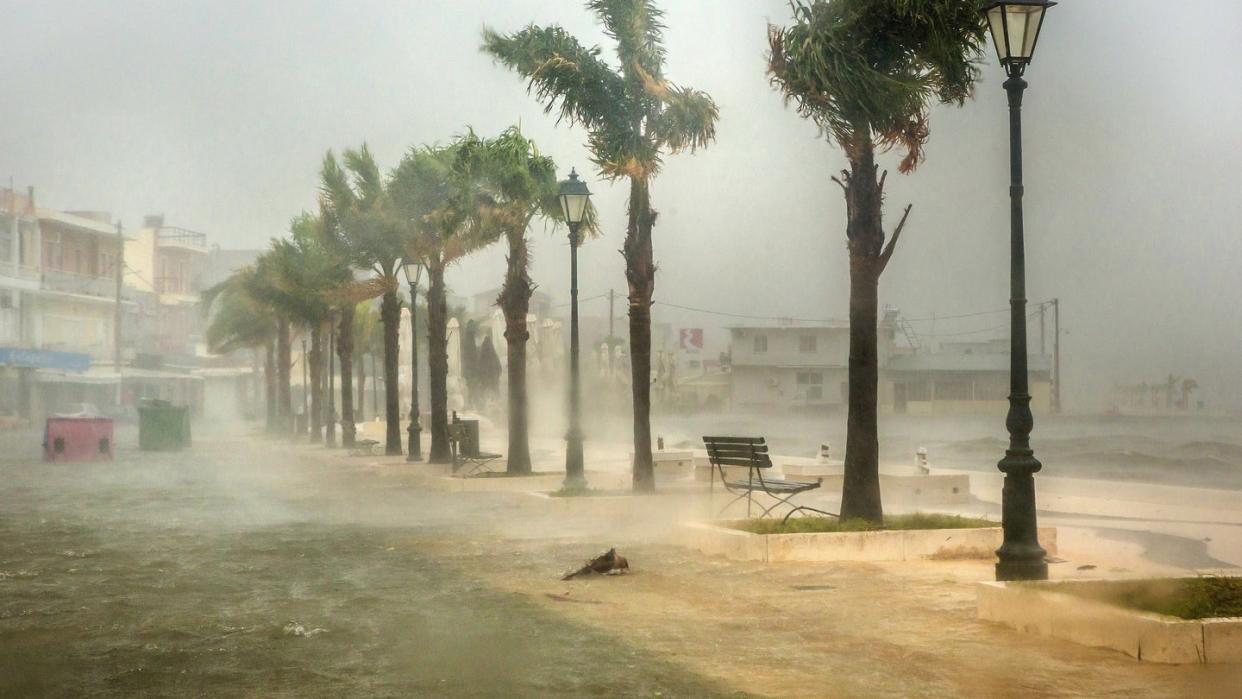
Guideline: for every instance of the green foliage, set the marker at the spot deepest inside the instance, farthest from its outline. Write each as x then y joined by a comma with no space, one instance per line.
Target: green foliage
631,114
435,192
1188,598
868,70
237,317
301,273
817,525
359,222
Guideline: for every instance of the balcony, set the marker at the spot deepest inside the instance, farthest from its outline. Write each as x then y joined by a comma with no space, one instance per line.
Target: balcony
19,276
173,237
79,284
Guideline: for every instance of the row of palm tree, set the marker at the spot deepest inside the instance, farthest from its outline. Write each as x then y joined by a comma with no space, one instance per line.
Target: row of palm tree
439,204
867,72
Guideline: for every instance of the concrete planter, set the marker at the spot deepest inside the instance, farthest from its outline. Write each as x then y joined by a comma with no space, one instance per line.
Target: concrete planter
521,484
883,545
666,506
1039,609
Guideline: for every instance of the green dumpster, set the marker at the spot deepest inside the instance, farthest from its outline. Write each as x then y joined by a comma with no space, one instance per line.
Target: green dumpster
163,426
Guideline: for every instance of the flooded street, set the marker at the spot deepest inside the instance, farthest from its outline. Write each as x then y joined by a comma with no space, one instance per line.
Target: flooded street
236,569
252,567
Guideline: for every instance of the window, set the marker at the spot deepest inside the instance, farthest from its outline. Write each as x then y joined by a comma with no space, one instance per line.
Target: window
6,242
761,344
953,390
806,343
808,378
917,391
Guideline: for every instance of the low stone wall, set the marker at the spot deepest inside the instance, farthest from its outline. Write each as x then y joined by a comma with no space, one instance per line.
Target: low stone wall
1036,608
605,480
665,506
884,545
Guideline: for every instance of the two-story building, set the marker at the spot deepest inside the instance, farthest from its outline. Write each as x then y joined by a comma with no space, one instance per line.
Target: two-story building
170,262
797,365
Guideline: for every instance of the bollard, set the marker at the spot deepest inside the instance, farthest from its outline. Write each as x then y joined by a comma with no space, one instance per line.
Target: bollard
920,459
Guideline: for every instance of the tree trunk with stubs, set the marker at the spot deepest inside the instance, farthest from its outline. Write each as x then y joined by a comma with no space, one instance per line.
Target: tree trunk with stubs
514,302
437,364
390,316
284,388
345,351
640,275
316,380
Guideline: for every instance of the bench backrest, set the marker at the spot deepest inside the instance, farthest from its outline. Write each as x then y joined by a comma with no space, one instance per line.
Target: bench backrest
750,452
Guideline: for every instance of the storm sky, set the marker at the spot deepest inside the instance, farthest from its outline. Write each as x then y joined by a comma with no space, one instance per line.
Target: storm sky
217,114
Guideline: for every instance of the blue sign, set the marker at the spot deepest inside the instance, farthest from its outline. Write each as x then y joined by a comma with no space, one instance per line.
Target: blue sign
44,359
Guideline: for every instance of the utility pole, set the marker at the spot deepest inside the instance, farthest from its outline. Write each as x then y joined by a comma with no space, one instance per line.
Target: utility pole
1056,355
120,281
611,295
1042,306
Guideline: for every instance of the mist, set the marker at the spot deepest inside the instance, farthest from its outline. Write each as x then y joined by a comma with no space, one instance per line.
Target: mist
401,546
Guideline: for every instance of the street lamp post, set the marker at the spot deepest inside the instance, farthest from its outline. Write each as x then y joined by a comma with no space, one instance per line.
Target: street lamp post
574,196
1015,26
413,272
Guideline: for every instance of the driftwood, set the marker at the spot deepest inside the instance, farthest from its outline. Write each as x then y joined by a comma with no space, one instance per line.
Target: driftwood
607,564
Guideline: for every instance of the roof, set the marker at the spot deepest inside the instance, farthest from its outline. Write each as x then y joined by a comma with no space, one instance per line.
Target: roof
79,222
962,362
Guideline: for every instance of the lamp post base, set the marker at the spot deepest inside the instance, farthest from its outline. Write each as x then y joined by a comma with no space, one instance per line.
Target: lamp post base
575,476
1022,570
414,451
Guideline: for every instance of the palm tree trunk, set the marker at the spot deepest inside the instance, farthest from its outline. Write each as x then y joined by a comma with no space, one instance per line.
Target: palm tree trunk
390,316
270,382
640,274
345,351
360,405
437,364
284,362
514,302
316,381
860,492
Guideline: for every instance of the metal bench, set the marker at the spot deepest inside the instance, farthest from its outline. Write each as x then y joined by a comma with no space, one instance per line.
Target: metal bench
752,453
468,460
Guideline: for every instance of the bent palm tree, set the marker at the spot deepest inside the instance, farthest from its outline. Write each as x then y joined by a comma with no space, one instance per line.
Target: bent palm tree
435,195
632,115
516,184
237,319
371,239
866,73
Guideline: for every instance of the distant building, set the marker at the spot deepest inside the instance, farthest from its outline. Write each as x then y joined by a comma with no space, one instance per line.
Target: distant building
796,365
807,366
170,262
964,378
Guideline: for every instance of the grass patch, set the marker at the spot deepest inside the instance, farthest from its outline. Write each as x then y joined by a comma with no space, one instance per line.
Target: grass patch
824,525
1187,598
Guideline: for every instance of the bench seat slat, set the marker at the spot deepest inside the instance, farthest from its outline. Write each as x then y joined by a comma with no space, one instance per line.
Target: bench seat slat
775,486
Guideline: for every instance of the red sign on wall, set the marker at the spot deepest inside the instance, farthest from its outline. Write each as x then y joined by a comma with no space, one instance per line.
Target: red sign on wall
691,339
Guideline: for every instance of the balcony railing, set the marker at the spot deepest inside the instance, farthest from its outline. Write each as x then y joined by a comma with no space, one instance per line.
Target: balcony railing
181,237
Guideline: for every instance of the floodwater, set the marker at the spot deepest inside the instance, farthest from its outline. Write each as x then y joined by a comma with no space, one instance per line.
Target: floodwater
252,567
234,569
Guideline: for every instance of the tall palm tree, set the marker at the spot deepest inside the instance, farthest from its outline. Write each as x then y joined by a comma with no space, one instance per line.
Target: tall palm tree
237,319
867,73
434,194
372,239
632,116
516,185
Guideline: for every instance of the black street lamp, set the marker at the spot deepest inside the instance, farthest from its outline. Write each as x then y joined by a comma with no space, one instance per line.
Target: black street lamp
574,196
1015,28
413,272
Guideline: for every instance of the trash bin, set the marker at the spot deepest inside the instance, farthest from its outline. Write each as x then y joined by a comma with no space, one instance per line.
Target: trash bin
77,439
163,426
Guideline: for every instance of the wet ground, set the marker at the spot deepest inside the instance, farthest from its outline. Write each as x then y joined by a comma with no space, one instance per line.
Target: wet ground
255,568
235,570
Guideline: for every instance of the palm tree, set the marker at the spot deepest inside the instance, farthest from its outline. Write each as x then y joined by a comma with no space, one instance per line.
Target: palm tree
517,184
371,239
632,115
237,319
305,275
867,73
433,192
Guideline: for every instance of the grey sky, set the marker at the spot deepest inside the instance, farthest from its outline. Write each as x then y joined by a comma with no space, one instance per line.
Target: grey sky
217,114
